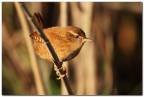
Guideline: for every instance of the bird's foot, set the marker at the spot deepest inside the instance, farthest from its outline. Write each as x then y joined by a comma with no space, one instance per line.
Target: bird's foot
58,72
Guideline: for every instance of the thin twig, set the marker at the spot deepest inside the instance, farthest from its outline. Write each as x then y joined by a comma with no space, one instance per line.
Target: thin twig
63,22
35,67
49,46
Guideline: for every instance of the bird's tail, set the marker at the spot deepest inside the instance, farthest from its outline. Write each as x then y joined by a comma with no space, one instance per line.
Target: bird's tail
39,19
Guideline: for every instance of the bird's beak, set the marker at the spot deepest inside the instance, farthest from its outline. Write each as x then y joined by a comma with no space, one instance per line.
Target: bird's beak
87,39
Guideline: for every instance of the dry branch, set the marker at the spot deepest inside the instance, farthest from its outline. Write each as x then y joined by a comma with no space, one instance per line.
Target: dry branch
35,67
49,46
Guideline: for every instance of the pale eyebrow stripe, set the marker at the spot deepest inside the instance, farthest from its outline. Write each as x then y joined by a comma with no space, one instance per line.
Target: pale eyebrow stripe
73,33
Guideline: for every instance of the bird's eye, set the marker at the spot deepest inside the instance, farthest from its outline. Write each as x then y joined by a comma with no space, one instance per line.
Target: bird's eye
76,36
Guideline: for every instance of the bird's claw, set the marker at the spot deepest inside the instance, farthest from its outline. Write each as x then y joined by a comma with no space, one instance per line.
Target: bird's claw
58,72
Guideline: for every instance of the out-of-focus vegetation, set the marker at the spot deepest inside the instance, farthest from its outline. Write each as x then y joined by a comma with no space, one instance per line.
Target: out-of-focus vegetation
109,65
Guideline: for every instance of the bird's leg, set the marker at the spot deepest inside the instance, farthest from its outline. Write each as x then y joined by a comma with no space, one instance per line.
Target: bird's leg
58,71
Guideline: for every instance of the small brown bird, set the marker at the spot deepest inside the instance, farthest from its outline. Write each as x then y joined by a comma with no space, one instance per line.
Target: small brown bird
66,41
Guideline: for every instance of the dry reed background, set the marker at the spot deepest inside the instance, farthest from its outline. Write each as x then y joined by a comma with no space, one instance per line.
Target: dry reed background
110,65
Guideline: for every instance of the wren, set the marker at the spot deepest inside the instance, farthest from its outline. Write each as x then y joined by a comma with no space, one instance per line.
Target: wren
66,41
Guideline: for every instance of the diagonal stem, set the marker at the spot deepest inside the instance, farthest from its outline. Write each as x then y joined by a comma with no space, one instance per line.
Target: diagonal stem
39,83
49,46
